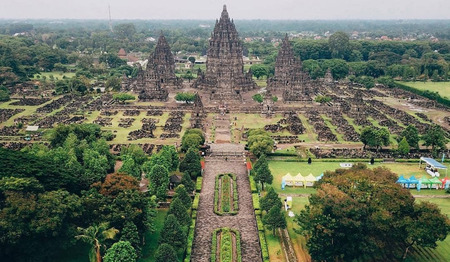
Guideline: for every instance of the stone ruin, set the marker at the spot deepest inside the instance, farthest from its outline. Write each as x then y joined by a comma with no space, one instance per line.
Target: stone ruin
225,78
153,82
289,78
198,113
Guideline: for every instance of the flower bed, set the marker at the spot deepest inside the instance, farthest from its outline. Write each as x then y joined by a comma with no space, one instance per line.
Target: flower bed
226,245
226,195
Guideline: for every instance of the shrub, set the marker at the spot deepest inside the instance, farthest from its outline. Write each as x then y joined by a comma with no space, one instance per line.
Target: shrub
190,240
259,223
195,202
198,185
253,187
263,243
255,199
225,197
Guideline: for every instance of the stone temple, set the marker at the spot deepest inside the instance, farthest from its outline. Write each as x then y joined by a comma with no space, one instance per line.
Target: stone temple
159,76
289,78
225,78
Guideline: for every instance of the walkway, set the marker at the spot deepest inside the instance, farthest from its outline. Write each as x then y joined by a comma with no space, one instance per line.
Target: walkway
207,220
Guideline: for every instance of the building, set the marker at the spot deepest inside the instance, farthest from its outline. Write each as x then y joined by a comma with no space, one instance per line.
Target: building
159,76
225,77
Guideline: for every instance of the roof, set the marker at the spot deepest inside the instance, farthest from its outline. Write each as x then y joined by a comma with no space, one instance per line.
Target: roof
175,179
203,164
249,165
32,128
433,163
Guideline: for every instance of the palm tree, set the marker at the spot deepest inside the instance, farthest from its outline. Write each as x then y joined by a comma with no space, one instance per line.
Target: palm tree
96,235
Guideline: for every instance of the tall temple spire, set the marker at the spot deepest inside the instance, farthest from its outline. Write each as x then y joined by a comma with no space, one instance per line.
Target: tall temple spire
225,67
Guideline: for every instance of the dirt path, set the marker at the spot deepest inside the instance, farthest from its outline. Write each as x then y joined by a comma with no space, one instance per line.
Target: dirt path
207,220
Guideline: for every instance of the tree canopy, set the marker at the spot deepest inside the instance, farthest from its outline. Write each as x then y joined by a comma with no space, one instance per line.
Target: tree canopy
366,212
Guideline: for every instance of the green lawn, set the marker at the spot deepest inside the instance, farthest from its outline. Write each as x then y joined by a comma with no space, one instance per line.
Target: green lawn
443,88
281,168
151,239
58,75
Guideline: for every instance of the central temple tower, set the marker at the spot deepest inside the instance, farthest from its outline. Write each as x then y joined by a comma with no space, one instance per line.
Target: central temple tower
224,75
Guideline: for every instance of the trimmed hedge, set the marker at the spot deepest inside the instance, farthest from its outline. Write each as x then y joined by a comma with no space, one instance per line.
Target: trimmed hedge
226,245
253,187
195,202
255,199
259,223
217,194
425,93
264,249
190,240
198,185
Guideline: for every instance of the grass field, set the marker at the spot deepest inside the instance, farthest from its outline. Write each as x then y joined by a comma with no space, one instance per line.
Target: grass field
443,88
281,168
58,75
151,240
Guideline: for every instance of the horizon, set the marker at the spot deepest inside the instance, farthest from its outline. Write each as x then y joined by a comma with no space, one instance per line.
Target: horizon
239,10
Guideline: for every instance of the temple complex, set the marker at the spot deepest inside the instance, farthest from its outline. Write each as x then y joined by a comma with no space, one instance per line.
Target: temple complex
153,82
290,79
225,78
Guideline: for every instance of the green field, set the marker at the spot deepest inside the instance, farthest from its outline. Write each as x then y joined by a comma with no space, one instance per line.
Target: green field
443,88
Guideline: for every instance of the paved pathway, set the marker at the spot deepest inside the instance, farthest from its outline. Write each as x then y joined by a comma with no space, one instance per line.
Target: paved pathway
207,220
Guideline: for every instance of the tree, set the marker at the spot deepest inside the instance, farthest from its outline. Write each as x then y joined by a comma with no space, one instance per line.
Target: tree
121,251
96,235
173,233
159,182
191,140
365,211
262,160
185,96
4,94
274,219
339,44
115,184
258,98
165,253
428,227
186,180
412,136
259,70
130,233
263,175
372,137
136,152
182,194
260,143
113,83
435,138
270,200
123,97
130,167
191,163
403,147
178,209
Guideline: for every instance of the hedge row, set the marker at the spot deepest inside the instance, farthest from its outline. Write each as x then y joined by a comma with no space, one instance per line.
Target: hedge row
217,194
198,185
253,187
425,93
190,239
259,223
255,199
195,202
264,249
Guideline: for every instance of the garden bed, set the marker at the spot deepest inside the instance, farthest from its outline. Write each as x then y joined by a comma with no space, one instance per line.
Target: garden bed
226,245
226,195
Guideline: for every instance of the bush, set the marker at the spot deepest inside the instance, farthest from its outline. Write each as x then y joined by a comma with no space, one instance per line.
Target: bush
226,198
258,98
259,223
322,99
190,241
253,187
195,202
198,185
226,247
255,199
263,243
